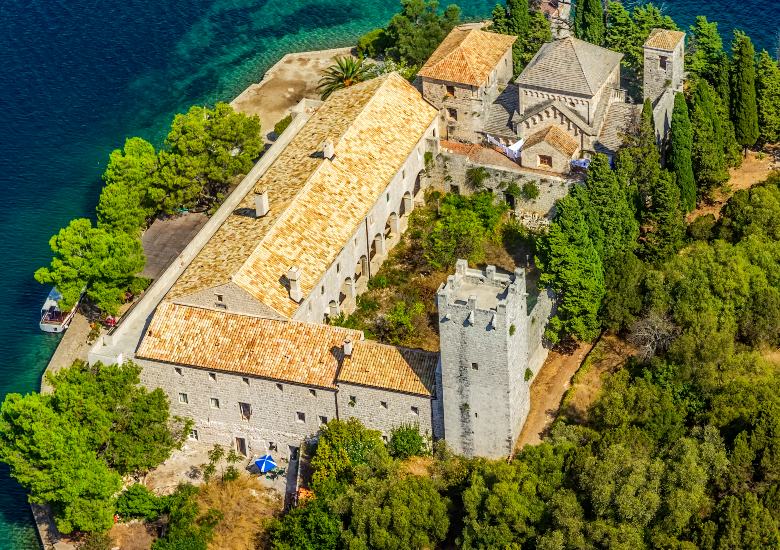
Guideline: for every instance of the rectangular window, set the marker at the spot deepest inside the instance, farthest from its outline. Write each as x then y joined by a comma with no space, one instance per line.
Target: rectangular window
177,370
313,393
384,438
183,398
272,446
338,268
220,298
246,381
300,417
221,305
323,419
246,410
662,61
241,446
545,160
383,404
454,189
193,435
213,376
475,366
450,90
322,289
280,387
214,403
452,113
352,400
416,411
387,197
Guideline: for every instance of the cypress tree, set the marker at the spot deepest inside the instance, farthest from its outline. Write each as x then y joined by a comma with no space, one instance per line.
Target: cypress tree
665,236
681,144
614,229
571,266
744,112
768,98
648,157
589,22
709,165
518,16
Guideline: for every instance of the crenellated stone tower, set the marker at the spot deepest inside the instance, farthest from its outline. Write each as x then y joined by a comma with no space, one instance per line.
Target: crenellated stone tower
488,342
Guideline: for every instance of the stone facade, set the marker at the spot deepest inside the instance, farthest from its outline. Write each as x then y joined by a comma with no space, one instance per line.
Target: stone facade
664,76
486,347
383,410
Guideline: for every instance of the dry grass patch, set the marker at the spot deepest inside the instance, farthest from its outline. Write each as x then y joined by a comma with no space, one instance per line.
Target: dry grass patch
246,506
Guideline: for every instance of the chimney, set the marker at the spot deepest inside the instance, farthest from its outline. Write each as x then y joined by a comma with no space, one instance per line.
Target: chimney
293,276
328,149
347,347
261,203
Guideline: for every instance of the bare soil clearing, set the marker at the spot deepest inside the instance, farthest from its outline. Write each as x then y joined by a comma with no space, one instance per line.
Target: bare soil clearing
547,391
752,171
293,78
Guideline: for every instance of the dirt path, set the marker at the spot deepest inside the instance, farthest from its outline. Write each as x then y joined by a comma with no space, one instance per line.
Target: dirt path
609,355
752,171
547,391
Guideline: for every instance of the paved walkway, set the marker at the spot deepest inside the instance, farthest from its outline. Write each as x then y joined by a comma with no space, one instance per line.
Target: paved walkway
165,240
72,346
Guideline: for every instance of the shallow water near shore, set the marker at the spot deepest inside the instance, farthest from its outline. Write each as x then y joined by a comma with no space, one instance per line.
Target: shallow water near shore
78,77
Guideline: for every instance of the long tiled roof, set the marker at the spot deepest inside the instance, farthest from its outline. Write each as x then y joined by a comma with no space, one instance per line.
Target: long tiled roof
570,66
467,56
315,204
391,368
556,137
663,39
290,351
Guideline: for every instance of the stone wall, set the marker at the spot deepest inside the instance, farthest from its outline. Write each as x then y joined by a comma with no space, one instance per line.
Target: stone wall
369,407
448,174
531,158
274,406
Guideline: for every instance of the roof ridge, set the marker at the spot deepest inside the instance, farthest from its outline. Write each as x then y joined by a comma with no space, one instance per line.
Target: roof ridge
579,62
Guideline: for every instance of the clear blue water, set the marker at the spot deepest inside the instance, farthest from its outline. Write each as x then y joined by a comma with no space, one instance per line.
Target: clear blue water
79,76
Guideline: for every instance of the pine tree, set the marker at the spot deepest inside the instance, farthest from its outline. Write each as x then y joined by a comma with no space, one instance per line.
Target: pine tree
499,20
681,144
665,236
518,16
571,266
589,22
704,49
614,229
709,165
768,98
744,112
620,29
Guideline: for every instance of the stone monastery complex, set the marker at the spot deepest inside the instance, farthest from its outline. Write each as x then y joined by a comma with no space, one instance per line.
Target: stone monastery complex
235,331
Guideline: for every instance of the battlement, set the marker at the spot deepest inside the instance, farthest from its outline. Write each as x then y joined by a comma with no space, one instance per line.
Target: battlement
486,290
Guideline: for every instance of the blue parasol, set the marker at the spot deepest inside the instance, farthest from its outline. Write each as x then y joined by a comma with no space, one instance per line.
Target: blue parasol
265,463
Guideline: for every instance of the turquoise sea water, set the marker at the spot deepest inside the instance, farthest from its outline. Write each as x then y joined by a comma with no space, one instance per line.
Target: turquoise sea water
79,76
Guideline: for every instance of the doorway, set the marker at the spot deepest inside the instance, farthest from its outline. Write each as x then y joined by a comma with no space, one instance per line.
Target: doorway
241,446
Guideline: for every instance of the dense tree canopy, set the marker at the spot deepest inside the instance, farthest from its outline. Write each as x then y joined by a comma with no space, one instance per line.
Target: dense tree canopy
709,163
418,29
530,26
68,448
744,111
768,98
627,32
589,24
104,264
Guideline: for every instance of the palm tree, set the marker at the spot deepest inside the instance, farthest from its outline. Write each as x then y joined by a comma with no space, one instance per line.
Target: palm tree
346,72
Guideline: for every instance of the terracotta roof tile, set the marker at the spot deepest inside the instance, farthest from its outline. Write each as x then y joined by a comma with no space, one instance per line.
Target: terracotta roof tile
290,351
663,39
555,137
467,56
389,367
315,204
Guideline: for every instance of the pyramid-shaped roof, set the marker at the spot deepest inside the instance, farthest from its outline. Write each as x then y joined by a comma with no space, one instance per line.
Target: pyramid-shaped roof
570,66
467,56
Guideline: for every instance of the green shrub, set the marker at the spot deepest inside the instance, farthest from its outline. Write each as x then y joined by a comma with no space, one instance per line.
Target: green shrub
379,281
406,440
96,541
476,177
373,43
530,190
702,227
528,374
282,125
139,502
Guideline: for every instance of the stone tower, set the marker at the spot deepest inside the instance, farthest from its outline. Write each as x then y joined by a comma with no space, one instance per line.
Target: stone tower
486,348
664,75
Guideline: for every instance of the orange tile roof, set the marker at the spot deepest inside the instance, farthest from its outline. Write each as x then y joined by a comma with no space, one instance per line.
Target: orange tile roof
556,137
467,56
390,367
315,204
291,351
663,39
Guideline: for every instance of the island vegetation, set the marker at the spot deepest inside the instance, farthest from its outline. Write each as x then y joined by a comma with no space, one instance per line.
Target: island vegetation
205,152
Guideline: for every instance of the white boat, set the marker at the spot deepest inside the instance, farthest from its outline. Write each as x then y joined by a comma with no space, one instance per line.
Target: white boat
52,318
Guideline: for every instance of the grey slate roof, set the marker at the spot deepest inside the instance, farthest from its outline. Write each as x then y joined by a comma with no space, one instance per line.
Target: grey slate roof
501,111
570,66
619,120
